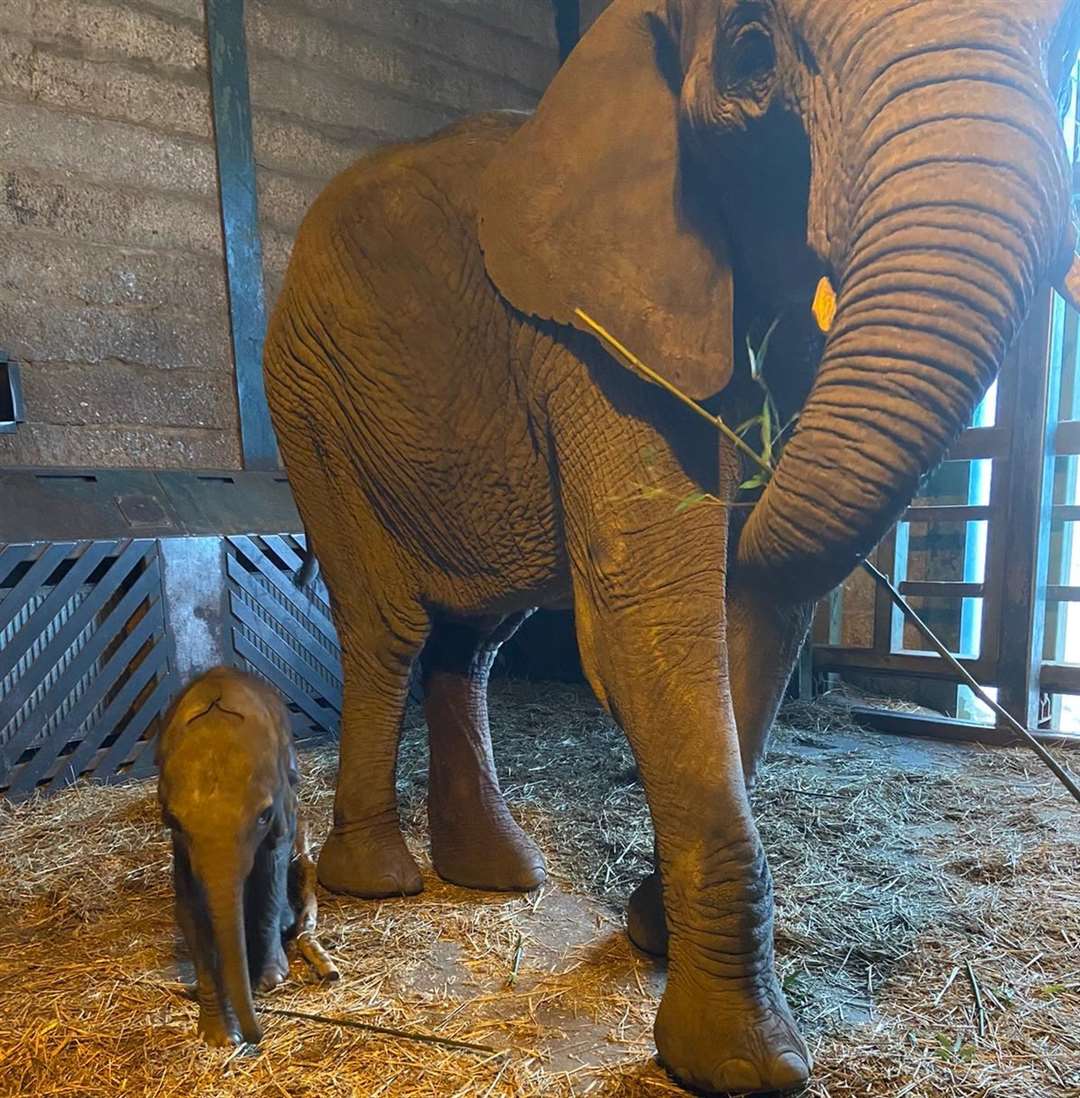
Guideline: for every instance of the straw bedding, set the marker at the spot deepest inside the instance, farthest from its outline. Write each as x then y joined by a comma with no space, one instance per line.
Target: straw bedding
928,932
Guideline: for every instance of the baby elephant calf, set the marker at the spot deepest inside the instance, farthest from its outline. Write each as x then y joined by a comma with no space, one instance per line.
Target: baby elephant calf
244,879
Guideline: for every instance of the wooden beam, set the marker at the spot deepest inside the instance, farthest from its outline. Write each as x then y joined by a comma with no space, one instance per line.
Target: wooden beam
567,26
1029,488
980,442
960,512
921,665
942,589
1067,437
1060,678
946,728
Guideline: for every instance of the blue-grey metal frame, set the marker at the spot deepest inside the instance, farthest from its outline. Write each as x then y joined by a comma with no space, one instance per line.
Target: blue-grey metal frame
240,225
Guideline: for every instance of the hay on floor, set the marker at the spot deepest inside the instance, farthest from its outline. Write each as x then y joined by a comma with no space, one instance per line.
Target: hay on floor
914,881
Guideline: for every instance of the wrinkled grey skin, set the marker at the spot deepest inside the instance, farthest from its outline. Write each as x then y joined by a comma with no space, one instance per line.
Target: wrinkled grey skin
462,450
227,791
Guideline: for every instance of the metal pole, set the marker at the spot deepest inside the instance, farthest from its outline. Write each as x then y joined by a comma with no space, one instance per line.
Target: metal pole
240,225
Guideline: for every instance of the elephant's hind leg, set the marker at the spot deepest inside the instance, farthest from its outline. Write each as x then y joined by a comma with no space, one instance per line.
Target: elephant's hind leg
265,897
474,839
365,854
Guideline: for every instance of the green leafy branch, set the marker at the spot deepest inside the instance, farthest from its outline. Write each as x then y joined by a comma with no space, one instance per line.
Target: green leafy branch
765,421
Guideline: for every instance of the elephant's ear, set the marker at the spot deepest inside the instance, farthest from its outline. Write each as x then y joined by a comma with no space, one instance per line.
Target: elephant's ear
584,207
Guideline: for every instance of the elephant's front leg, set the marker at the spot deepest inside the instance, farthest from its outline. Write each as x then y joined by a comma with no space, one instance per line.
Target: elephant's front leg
764,637
650,604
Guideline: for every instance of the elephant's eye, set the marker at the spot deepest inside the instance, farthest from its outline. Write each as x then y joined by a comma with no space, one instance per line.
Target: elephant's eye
753,55
266,815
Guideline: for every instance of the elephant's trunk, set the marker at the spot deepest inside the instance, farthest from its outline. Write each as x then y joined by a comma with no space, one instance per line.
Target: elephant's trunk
956,220
225,900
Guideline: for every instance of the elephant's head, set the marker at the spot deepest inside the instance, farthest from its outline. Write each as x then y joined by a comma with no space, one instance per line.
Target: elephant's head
695,154
227,775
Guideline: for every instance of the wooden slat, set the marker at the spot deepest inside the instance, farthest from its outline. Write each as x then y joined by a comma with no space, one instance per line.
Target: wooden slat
318,714
11,556
1029,487
946,513
80,618
885,555
69,728
149,710
915,664
942,589
51,557
1066,512
89,753
980,442
1060,678
915,724
1067,437
279,545
1062,594
318,686
142,763
91,554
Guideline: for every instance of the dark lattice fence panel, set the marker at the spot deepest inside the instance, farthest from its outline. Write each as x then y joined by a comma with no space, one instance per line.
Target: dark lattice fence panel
283,632
84,663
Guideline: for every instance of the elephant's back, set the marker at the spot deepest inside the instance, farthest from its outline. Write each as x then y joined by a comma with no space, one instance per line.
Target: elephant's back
391,351
378,187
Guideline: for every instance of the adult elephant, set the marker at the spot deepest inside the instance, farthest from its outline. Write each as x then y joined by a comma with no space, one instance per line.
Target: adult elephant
462,449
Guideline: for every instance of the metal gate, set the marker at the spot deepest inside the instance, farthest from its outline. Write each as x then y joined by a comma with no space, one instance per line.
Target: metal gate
98,633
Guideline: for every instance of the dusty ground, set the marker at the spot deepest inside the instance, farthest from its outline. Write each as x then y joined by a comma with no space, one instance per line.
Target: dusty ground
908,875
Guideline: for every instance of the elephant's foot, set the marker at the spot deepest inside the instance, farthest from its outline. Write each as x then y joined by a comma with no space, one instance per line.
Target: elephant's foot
646,925
370,861
737,1044
275,971
216,1031
488,851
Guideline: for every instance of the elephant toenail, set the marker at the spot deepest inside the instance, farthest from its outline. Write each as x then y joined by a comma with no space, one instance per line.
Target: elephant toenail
740,1076
791,1070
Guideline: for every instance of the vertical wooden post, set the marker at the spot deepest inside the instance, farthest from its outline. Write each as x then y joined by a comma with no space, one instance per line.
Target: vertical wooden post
240,225
1030,472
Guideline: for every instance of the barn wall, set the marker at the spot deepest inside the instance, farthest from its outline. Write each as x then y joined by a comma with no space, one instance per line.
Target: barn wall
112,287
331,79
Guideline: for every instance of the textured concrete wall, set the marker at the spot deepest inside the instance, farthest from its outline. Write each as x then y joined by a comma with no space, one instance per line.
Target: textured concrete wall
331,79
590,9
112,286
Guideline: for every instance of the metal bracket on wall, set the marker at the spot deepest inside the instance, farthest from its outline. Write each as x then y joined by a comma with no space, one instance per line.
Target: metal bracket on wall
12,412
240,224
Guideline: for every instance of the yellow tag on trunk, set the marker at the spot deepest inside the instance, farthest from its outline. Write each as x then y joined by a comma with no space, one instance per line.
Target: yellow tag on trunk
824,306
